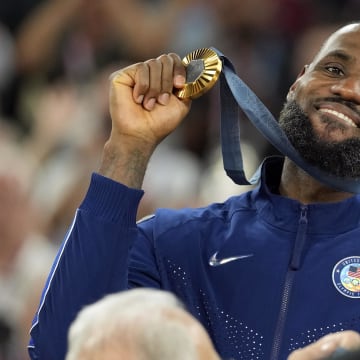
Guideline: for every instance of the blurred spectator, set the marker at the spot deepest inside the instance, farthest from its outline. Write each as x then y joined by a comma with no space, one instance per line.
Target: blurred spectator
12,13
7,57
74,39
25,255
63,146
215,186
83,34
172,180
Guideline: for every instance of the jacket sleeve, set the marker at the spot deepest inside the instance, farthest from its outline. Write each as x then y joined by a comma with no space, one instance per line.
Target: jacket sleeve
92,262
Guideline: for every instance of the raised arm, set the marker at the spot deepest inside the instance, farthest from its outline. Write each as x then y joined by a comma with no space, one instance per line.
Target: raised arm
93,259
143,111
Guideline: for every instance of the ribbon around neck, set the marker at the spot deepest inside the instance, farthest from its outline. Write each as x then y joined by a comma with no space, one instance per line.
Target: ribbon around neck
234,93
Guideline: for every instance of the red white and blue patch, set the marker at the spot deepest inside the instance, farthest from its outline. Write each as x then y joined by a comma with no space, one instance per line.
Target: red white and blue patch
346,276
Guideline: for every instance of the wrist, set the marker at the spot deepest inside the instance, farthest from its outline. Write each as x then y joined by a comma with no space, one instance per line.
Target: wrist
126,165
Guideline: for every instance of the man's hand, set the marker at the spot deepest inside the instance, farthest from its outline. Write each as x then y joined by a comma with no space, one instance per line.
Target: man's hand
144,111
331,346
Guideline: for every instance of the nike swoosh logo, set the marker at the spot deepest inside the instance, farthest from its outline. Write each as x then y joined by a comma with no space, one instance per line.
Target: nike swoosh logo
214,261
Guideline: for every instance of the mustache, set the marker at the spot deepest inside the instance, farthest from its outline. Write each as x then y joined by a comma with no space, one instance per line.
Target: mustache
337,99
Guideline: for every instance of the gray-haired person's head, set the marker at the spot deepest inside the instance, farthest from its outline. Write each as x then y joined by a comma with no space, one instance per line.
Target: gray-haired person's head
139,324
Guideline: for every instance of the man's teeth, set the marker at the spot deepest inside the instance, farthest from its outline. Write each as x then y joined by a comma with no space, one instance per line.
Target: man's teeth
339,115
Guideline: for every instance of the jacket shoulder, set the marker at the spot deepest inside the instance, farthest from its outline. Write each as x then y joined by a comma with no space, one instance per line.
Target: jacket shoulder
165,219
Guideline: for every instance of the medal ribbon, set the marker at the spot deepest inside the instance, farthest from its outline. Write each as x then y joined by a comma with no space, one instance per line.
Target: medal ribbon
234,93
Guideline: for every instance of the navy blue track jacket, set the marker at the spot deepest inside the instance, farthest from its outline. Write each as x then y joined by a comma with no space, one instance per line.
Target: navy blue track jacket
264,274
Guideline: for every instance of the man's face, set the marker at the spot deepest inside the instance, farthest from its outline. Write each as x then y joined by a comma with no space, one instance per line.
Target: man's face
322,116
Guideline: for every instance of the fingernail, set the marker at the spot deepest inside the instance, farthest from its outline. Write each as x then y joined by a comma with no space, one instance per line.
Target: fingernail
140,99
164,98
179,80
150,104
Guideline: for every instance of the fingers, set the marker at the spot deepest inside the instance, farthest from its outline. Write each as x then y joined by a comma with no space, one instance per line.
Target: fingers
327,347
155,79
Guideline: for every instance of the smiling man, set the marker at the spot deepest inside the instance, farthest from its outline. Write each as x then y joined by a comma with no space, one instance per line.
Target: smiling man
266,272
322,116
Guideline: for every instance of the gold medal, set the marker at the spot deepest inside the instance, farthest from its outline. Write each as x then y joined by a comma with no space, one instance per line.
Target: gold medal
203,67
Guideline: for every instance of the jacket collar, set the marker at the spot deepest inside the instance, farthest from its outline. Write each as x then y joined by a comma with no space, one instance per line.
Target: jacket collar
323,218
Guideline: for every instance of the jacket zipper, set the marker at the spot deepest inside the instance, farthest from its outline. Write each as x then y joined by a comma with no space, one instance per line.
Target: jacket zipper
294,266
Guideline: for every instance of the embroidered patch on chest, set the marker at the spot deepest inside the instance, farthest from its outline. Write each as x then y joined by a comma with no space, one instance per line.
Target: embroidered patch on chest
346,276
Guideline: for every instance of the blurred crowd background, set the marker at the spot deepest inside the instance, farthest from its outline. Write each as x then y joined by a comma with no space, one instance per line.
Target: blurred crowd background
55,60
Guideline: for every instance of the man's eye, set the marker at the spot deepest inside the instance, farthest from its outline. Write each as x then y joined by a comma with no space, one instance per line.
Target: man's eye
334,70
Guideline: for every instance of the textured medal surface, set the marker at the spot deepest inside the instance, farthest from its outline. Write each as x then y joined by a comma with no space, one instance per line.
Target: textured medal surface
203,67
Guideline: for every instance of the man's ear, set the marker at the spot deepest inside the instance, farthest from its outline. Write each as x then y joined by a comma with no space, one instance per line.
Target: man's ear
290,94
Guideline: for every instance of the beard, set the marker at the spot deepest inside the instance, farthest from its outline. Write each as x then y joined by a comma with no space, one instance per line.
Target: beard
340,158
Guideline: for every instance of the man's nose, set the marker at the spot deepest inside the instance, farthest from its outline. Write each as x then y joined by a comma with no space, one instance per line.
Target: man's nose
348,89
